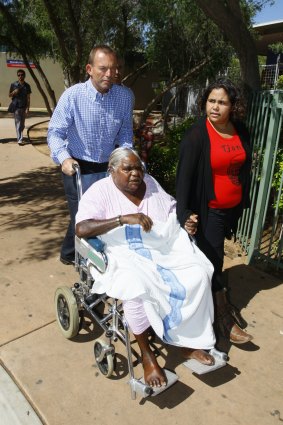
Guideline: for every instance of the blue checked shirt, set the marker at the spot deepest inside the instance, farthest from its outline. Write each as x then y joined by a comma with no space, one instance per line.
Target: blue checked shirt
87,125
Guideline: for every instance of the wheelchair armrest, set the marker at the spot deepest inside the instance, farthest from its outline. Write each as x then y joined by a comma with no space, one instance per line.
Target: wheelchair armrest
89,252
97,244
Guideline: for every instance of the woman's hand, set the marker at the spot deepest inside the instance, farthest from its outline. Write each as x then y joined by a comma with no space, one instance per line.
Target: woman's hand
139,218
191,224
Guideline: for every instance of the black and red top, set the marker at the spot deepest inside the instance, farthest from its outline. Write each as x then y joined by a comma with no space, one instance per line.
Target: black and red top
227,156
195,188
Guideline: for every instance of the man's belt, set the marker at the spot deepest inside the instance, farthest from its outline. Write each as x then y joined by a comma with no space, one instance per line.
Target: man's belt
88,167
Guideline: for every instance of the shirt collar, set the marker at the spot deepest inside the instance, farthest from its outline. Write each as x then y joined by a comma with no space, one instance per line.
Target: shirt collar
96,93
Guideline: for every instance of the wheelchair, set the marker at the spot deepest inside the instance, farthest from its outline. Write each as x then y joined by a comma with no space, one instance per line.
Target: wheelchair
72,304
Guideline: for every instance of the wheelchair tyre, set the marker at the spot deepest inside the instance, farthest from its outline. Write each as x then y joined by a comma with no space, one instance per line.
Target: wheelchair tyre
67,313
106,365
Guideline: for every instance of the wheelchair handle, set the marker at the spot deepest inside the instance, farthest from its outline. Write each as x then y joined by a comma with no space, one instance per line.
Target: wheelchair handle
77,169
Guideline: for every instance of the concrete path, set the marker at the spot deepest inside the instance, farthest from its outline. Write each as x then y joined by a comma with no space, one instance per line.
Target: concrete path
14,407
50,380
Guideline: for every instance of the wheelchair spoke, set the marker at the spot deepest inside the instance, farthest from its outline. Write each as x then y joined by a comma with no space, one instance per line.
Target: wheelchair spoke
63,311
67,312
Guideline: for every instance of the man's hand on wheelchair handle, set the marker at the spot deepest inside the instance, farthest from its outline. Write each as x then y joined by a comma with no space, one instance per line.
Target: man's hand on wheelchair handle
67,166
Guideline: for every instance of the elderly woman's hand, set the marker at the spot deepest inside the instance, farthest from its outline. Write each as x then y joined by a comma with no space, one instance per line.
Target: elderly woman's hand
191,224
139,218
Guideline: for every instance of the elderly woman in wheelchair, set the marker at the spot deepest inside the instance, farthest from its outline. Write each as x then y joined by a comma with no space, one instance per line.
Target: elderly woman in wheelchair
160,275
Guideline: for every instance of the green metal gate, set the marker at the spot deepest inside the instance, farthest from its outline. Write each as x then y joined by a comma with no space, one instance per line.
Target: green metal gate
260,229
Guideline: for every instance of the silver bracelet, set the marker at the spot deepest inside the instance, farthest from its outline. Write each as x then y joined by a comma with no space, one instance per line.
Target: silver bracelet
118,220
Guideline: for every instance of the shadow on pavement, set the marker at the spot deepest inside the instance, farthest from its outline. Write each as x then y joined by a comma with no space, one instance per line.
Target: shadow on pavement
36,200
219,377
37,135
8,140
181,392
246,281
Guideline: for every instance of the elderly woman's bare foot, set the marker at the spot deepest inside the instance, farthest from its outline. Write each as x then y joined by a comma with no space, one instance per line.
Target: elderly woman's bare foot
199,355
154,376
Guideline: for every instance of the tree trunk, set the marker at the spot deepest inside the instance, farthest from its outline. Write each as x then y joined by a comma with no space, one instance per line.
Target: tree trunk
227,15
20,47
46,83
73,66
38,85
176,83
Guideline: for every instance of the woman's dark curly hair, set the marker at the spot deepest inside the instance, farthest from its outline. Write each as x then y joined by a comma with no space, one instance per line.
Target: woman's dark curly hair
238,110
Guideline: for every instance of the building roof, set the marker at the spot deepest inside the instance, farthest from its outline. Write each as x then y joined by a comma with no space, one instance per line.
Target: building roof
268,33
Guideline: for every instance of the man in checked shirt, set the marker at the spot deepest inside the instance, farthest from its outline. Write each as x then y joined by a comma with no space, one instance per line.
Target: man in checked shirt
89,121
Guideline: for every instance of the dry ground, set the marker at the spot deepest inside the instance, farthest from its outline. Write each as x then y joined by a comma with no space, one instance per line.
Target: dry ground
60,378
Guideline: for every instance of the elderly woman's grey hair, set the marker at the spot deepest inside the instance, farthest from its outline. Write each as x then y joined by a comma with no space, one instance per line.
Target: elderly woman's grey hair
118,155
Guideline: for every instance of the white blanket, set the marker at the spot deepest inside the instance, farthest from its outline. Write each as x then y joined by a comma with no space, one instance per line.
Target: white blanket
169,273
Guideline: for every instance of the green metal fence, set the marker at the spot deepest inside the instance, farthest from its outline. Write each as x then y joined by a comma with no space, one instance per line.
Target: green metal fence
260,229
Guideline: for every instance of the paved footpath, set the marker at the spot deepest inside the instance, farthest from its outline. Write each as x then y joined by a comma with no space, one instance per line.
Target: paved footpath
46,379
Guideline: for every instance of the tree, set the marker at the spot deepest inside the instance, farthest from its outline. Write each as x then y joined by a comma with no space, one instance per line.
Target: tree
19,36
174,36
182,44
233,17
70,27
65,31
73,27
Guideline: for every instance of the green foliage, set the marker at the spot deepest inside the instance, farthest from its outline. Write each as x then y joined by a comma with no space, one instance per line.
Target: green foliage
173,35
234,70
261,60
18,31
68,30
277,177
276,48
163,156
179,36
279,84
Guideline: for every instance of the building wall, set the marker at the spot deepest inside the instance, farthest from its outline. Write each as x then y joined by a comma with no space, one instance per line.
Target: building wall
142,86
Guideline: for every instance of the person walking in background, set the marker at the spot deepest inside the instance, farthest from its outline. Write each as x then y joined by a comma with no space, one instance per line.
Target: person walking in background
90,120
212,188
20,93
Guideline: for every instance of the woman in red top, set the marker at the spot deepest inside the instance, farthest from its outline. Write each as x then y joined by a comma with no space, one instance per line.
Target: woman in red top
213,179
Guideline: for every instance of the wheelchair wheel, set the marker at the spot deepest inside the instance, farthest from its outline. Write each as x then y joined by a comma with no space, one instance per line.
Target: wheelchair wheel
67,313
106,365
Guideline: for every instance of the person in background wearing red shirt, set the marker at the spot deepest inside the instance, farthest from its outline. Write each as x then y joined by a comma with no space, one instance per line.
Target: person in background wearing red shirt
212,189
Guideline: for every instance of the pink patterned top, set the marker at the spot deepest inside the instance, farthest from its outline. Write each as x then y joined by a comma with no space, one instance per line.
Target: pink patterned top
104,200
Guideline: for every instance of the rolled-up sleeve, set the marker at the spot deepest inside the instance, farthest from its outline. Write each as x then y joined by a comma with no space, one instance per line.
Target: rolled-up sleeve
60,122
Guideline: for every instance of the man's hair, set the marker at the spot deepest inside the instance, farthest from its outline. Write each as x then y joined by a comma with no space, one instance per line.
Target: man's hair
118,155
102,48
22,71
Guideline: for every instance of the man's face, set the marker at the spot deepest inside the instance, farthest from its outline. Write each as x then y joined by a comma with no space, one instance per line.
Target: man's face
102,71
21,76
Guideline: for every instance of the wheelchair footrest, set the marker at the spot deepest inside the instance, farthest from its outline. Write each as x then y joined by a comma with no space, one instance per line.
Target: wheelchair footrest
171,379
200,369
